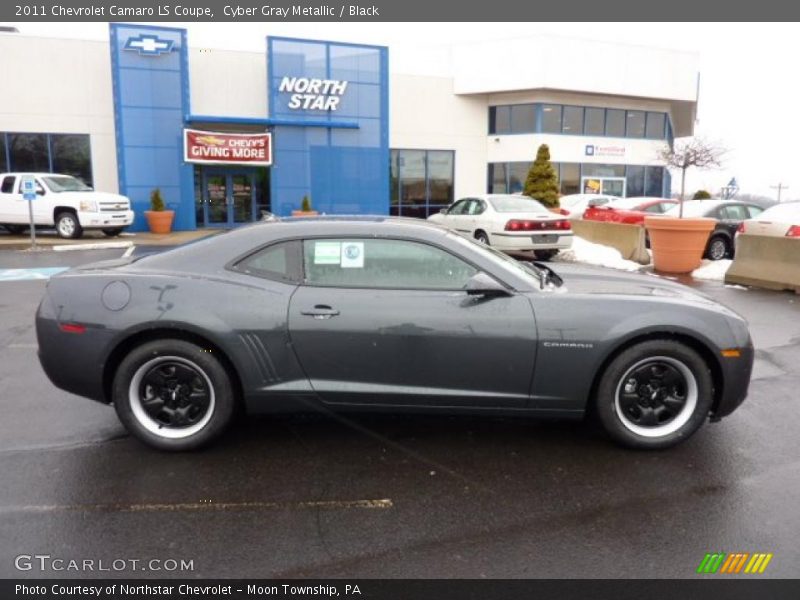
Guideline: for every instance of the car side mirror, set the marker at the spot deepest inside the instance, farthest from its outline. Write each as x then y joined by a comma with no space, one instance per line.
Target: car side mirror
482,284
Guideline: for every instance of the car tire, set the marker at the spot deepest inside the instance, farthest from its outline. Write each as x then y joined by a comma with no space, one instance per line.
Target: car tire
718,248
544,255
482,237
112,231
654,395
15,229
68,226
173,395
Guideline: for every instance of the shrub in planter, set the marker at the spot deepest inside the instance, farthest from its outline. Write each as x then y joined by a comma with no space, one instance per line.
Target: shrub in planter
305,209
159,219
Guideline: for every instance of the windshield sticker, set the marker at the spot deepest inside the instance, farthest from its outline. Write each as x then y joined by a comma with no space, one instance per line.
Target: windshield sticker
353,255
327,253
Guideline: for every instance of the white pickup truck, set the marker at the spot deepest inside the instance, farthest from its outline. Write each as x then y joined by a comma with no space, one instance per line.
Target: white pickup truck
63,202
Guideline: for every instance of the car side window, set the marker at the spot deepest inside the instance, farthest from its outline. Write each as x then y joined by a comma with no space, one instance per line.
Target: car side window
656,209
7,187
754,211
736,212
477,207
279,261
458,208
383,264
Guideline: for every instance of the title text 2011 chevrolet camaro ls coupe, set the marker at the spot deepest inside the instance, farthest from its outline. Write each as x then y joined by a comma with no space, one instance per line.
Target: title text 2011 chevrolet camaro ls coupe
385,314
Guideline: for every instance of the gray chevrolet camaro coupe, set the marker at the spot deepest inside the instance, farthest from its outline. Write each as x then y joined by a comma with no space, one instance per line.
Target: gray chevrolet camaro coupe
385,314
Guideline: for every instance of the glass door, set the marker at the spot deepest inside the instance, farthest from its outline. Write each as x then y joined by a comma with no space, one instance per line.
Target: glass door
216,191
228,198
241,187
614,186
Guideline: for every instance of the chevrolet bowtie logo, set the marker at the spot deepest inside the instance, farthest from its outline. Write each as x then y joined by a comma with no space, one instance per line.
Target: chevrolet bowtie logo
148,45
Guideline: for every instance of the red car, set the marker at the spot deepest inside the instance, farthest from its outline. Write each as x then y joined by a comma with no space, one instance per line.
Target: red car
631,211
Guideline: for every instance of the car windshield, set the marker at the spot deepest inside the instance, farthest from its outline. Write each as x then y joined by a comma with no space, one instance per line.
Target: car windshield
512,204
503,261
65,183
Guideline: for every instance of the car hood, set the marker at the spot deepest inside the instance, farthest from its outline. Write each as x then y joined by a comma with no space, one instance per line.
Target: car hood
582,279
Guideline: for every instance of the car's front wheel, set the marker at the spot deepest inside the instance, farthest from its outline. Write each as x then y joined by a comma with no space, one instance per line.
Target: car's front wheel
173,395
717,248
654,394
68,226
482,237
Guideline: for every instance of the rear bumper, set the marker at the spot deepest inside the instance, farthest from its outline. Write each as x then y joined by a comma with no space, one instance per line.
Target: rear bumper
525,241
102,220
72,362
736,374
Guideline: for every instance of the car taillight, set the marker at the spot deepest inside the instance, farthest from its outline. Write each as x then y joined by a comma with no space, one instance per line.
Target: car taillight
794,231
520,225
741,228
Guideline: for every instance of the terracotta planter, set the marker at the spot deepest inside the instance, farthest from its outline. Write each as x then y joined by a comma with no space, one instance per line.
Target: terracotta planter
304,213
159,221
678,244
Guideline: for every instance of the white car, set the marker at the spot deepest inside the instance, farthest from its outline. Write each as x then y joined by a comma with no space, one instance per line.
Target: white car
510,223
63,202
574,205
779,220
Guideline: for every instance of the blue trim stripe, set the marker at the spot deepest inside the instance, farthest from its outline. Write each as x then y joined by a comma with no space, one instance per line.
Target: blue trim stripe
269,121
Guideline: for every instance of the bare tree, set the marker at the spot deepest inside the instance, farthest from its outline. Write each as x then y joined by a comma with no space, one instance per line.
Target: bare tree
692,152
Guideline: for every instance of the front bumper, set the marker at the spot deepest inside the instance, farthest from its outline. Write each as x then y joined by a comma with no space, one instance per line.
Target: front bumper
736,374
102,220
507,240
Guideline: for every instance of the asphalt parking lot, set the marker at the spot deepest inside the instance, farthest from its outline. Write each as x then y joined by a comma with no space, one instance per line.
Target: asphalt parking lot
390,496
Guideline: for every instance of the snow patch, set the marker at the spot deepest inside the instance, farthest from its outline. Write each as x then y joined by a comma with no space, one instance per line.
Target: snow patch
586,252
712,270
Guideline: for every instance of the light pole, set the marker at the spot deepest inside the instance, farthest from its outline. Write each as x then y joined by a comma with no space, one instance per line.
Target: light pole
780,187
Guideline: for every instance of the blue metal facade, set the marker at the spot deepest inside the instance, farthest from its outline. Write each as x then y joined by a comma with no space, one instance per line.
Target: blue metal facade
339,158
343,170
150,74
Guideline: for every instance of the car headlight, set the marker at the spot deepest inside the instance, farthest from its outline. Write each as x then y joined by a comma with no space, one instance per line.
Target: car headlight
88,206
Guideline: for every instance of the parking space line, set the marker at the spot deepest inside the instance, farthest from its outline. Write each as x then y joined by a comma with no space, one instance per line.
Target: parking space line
379,504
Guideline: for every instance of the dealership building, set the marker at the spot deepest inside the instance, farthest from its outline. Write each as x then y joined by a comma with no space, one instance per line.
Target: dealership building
226,135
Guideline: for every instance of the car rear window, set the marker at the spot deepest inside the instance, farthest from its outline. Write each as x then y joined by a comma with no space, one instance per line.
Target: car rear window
510,204
7,187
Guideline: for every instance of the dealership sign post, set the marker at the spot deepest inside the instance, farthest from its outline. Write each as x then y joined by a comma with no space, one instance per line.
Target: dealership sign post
29,195
207,147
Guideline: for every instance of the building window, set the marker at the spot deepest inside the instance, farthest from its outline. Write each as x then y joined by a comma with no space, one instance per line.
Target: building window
421,181
498,182
655,125
654,182
595,121
615,122
572,120
635,181
69,154
517,118
28,152
3,155
517,174
635,124
569,178
598,170
500,119
551,118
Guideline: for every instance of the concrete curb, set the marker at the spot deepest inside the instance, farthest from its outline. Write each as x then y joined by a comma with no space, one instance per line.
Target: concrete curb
767,262
93,246
628,239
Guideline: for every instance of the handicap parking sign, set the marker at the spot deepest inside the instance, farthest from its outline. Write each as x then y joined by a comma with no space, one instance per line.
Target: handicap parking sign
28,188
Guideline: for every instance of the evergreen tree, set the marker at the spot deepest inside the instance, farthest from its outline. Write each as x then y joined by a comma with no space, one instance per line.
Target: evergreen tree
701,195
542,183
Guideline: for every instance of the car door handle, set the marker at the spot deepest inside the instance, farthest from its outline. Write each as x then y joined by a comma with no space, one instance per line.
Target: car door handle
320,311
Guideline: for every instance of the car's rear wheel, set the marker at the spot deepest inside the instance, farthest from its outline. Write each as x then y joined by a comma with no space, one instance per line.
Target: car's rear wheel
173,395
482,237
654,394
112,231
717,248
68,226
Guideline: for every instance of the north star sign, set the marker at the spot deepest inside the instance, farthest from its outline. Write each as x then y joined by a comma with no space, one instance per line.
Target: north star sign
313,94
